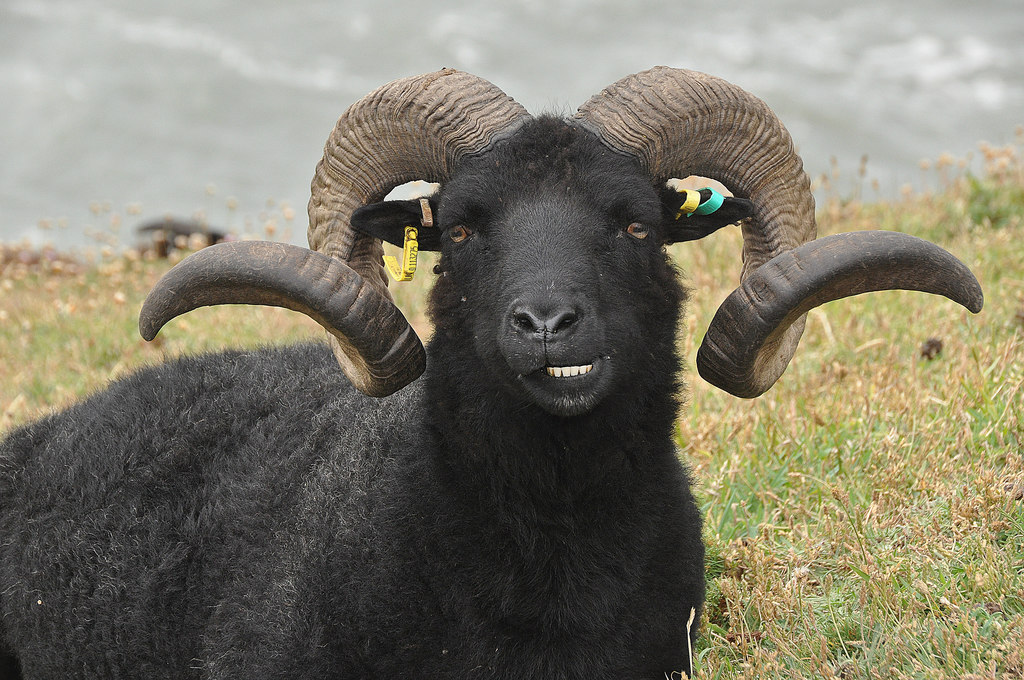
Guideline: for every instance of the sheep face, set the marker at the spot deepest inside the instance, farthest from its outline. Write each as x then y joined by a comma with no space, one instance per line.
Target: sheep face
554,283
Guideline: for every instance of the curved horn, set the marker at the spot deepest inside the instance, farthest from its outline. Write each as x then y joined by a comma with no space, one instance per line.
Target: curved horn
370,328
680,123
414,128
738,354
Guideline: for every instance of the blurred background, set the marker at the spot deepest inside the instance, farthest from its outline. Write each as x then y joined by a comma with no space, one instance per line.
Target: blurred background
113,112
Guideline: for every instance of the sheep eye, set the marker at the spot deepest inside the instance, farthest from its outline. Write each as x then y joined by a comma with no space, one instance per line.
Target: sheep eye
637,230
459,233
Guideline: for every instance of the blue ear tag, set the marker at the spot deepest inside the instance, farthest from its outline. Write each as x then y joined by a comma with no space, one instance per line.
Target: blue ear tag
712,204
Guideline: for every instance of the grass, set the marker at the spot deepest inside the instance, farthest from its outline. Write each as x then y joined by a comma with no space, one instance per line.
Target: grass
864,518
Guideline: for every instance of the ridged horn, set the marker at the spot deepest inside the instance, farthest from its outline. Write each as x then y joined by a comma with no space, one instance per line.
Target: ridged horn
736,352
370,328
680,123
413,128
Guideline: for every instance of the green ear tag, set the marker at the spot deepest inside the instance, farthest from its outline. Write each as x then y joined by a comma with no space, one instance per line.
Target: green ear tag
712,204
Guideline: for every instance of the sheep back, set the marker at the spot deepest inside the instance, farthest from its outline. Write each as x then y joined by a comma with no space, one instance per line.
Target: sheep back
129,519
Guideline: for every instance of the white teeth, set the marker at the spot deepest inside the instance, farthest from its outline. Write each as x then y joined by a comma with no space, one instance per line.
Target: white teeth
569,371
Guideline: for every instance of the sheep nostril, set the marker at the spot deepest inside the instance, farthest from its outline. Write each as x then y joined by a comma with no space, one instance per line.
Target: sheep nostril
526,320
561,321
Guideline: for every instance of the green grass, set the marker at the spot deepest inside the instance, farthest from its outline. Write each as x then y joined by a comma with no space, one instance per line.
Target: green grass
864,518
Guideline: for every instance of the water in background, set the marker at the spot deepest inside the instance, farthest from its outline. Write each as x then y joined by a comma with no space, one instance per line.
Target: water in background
115,111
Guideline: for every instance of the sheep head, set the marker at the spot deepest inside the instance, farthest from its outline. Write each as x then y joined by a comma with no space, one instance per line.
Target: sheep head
546,221
554,284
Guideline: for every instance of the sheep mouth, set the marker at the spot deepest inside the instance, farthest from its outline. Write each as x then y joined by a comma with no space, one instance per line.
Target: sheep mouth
568,371
568,390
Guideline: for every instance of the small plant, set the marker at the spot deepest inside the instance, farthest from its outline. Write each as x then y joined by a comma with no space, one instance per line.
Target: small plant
992,204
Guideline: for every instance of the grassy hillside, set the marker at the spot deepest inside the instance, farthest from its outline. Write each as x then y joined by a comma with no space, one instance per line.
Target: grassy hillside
865,518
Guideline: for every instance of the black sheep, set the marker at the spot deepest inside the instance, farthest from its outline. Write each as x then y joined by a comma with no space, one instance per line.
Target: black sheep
517,512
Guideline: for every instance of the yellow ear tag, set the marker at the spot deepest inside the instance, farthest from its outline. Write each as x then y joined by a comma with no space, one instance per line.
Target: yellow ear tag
409,252
690,204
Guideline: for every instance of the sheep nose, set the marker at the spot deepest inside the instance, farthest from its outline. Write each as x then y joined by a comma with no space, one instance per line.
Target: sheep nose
542,324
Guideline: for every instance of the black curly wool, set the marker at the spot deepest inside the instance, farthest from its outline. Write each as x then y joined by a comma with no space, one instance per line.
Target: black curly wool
250,515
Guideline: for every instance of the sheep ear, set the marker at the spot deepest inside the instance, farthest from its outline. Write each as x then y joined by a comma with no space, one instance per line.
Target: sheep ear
678,225
387,221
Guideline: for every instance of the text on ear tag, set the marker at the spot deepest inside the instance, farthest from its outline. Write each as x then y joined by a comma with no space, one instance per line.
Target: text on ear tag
405,271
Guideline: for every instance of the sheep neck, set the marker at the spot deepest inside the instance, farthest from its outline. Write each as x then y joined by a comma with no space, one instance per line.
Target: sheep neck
558,513
518,453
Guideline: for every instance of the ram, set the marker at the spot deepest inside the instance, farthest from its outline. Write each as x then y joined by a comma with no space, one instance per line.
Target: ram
507,503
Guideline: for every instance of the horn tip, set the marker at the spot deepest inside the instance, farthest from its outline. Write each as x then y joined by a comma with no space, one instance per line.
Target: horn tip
148,326
976,299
